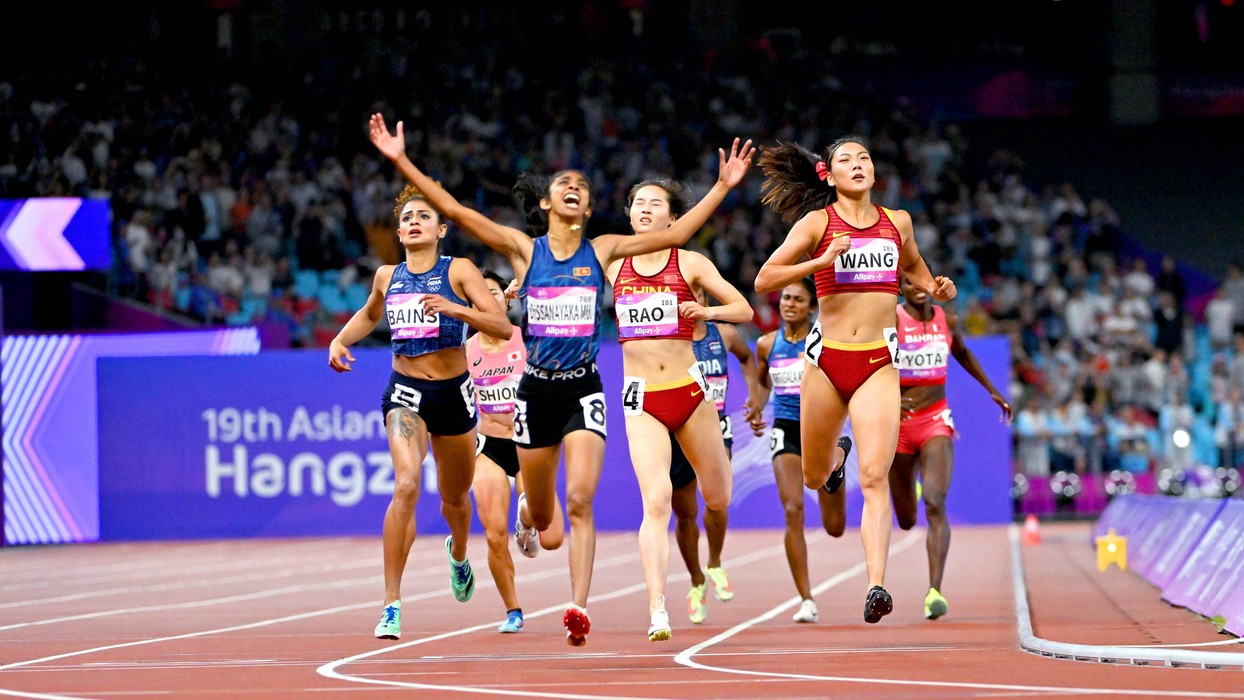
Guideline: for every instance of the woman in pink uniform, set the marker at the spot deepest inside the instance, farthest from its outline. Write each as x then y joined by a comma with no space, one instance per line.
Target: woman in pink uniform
854,250
496,365
927,336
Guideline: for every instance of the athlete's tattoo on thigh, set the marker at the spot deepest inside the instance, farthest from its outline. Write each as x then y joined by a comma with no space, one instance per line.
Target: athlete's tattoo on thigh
405,424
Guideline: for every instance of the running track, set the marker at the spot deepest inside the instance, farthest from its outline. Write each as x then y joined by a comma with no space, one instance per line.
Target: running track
293,619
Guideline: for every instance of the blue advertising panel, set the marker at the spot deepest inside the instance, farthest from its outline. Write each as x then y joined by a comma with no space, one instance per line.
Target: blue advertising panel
277,444
50,464
54,234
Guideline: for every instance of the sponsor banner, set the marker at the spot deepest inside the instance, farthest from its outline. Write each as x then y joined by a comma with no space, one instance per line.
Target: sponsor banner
50,466
278,444
54,234
1214,567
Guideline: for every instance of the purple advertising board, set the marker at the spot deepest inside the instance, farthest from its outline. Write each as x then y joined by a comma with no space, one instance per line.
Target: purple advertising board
48,383
1214,568
277,444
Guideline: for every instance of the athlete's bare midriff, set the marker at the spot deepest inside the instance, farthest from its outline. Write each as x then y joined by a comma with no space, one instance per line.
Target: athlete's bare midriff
857,318
658,359
441,364
924,395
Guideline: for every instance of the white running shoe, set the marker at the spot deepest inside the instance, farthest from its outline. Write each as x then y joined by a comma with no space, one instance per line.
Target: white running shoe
659,630
527,538
807,611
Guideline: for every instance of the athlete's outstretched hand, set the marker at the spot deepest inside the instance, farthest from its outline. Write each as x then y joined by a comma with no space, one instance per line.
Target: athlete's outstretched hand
391,145
339,357
944,288
1004,405
731,170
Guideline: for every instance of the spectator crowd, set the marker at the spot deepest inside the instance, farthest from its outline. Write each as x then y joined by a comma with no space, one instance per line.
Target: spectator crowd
241,199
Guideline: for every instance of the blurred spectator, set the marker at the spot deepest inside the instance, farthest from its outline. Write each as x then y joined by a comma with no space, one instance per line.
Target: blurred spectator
1033,432
1233,285
1229,428
1168,319
1220,318
1170,279
1132,440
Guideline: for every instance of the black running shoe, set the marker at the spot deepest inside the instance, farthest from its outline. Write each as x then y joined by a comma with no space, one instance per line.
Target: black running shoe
878,605
839,475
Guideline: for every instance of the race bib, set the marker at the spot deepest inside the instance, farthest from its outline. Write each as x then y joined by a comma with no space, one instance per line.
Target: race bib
927,360
408,319
716,390
496,394
869,260
785,374
561,312
647,314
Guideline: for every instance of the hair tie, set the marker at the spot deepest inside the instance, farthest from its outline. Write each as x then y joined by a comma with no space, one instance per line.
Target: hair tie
822,170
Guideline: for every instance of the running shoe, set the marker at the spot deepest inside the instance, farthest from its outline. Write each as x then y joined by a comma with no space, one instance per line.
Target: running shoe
577,625
696,609
513,622
527,538
839,475
807,611
878,605
461,578
659,630
934,605
390,626
721,584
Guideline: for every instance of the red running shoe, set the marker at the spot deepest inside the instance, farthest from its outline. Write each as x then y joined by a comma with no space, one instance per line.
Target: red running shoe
577,625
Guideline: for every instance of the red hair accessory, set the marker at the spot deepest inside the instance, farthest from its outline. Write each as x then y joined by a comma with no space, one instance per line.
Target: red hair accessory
822,170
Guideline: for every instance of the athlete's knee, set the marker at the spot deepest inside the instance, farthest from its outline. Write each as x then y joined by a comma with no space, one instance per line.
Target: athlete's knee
906,521
934,505
578,506
718,498
498,539
405,489
874,478
834,529
793,511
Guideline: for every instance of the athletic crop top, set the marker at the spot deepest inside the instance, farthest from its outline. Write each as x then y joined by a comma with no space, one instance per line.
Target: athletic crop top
924,348
710,354
561,307
496,374
414,331
785,373
647,305
871,265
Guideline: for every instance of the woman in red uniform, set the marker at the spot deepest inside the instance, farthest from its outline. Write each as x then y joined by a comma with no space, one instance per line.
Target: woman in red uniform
664,389
927,337
854,249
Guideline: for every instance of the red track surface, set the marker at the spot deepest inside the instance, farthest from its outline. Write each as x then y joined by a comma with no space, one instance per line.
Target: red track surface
293,619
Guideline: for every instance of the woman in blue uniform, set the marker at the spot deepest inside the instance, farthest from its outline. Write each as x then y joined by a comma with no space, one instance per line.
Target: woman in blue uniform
428,301
781,357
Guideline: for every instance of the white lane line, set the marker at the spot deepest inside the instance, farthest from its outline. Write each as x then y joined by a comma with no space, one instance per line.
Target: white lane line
299,572
329,670
685,657
1104,654
555,571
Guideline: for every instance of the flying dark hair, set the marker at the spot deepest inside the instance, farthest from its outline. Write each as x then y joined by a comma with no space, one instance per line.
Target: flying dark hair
809,285
679,193
527,192
490,274
792,185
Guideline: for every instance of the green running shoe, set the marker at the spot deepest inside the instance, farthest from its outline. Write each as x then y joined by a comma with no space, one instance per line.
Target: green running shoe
935,605
461,577
390,626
